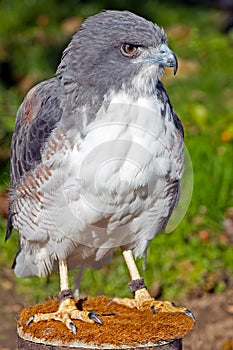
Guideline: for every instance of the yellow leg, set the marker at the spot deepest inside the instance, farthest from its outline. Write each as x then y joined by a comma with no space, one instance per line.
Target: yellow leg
142,299
67,310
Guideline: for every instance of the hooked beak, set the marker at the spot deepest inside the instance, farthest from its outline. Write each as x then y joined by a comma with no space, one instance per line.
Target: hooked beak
164,57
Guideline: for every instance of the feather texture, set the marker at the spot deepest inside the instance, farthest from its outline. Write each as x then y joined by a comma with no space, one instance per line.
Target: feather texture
96,161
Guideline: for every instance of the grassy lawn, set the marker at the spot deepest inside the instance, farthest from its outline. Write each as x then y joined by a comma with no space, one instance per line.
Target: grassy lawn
197,256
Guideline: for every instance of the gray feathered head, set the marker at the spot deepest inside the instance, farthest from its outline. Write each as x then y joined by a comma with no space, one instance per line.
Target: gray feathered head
116,49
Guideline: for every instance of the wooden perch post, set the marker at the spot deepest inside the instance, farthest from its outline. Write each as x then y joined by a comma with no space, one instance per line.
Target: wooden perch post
29,345
122,327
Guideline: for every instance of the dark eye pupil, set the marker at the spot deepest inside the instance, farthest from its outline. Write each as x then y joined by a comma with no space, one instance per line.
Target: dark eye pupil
130,47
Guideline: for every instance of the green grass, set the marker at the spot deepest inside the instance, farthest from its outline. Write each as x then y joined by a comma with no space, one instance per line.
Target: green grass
181,261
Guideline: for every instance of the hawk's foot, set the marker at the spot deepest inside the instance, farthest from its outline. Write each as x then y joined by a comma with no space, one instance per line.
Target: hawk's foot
143,301
66,312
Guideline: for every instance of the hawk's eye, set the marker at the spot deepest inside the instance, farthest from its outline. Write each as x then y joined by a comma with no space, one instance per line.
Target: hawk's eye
129,49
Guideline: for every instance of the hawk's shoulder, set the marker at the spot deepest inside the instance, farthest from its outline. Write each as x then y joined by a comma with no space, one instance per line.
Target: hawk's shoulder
37,116
165,101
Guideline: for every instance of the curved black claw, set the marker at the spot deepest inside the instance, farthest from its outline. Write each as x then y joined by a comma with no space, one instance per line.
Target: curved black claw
73,328
152,309
93,317
190,314
30,320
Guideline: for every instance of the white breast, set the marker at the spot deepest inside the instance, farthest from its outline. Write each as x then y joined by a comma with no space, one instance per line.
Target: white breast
123,165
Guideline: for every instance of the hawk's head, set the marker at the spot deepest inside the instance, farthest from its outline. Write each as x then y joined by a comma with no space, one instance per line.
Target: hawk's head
116,49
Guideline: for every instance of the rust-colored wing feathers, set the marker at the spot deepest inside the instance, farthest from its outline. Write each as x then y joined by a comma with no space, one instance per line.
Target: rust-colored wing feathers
37,117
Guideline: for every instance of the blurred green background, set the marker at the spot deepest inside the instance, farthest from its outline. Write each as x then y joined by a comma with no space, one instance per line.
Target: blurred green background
196,257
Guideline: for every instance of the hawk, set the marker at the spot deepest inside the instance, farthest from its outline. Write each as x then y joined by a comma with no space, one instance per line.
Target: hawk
96,158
